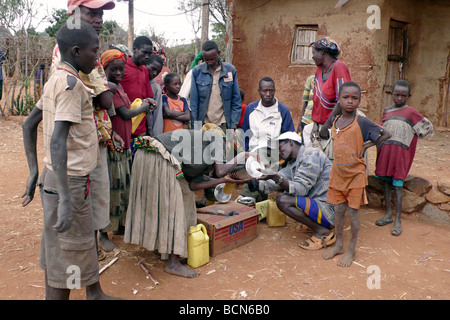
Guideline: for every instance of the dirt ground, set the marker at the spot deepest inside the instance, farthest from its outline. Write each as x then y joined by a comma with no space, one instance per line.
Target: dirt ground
415,265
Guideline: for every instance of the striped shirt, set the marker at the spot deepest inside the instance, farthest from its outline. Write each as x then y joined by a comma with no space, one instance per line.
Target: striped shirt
308,94
67,98
326,91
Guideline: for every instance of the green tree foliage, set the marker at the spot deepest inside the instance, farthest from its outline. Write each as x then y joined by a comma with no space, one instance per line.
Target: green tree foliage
57,19
17,15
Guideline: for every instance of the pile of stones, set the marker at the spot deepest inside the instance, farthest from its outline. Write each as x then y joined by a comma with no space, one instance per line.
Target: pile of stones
430,203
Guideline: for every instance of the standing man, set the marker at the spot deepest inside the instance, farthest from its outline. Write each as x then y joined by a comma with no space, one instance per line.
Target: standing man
215,96
136,82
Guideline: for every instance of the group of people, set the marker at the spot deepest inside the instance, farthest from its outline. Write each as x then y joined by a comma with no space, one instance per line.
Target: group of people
124,153
332,124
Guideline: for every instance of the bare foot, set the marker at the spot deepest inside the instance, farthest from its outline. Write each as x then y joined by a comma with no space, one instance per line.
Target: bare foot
95,292
333,252
175,267
181,270
347,259
105,243
396,230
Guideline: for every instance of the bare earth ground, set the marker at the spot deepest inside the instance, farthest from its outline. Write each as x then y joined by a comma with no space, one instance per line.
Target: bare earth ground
415,265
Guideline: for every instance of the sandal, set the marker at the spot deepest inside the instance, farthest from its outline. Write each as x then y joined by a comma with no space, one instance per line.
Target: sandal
101,255
329,239
383,221
301,228
315,243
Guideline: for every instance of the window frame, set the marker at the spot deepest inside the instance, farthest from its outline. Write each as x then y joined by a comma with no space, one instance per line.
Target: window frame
298,42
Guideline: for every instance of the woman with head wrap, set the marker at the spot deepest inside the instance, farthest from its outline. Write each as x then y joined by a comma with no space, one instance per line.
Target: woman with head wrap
119,163
331,73
166,170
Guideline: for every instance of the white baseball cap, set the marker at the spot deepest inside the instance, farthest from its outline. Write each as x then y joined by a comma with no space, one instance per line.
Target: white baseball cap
290,135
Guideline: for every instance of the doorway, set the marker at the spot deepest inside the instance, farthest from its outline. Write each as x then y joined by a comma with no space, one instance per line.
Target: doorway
396,58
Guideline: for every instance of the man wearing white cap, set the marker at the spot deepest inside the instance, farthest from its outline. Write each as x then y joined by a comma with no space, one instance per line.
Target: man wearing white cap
304,181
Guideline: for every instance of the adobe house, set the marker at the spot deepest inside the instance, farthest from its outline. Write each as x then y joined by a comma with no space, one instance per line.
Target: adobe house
381,41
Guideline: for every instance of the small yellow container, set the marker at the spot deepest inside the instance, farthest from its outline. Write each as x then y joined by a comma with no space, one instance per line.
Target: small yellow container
275,217
198,246
268,209
262,207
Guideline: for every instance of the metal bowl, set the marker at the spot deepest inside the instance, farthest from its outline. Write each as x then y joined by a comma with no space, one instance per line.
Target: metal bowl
221,196
246,200
253,167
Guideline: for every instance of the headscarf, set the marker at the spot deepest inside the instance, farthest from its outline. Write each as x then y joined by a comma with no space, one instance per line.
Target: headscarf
328,45
122,48
110,56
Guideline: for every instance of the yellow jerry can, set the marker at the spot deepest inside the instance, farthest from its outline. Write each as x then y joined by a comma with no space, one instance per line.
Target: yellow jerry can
198,246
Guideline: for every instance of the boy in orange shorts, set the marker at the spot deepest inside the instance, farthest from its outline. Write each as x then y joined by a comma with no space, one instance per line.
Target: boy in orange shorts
352,136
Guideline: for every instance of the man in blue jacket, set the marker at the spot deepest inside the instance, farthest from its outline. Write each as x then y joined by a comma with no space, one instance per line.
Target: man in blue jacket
215,96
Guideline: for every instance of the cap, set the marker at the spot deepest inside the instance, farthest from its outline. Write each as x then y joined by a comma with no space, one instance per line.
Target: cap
91,4
290,135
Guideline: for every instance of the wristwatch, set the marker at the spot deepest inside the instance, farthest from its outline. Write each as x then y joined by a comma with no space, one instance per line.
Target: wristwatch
280,180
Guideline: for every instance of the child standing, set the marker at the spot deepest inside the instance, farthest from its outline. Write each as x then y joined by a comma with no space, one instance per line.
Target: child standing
395,156
352,136
175,108
119,163
68,248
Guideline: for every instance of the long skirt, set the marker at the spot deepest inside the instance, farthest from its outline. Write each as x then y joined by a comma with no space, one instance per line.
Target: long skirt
161,206
119,164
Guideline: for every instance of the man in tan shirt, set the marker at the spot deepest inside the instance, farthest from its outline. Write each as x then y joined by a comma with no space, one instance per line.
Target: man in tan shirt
215,113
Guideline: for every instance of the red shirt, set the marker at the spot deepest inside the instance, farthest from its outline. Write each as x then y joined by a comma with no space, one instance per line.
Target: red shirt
244,106
137,85
120,125
326,91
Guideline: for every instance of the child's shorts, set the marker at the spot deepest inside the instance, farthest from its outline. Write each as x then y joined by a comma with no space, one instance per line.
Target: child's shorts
395,182
70,257
354,197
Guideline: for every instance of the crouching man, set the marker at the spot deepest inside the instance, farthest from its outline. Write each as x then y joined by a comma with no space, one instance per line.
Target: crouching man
304,183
